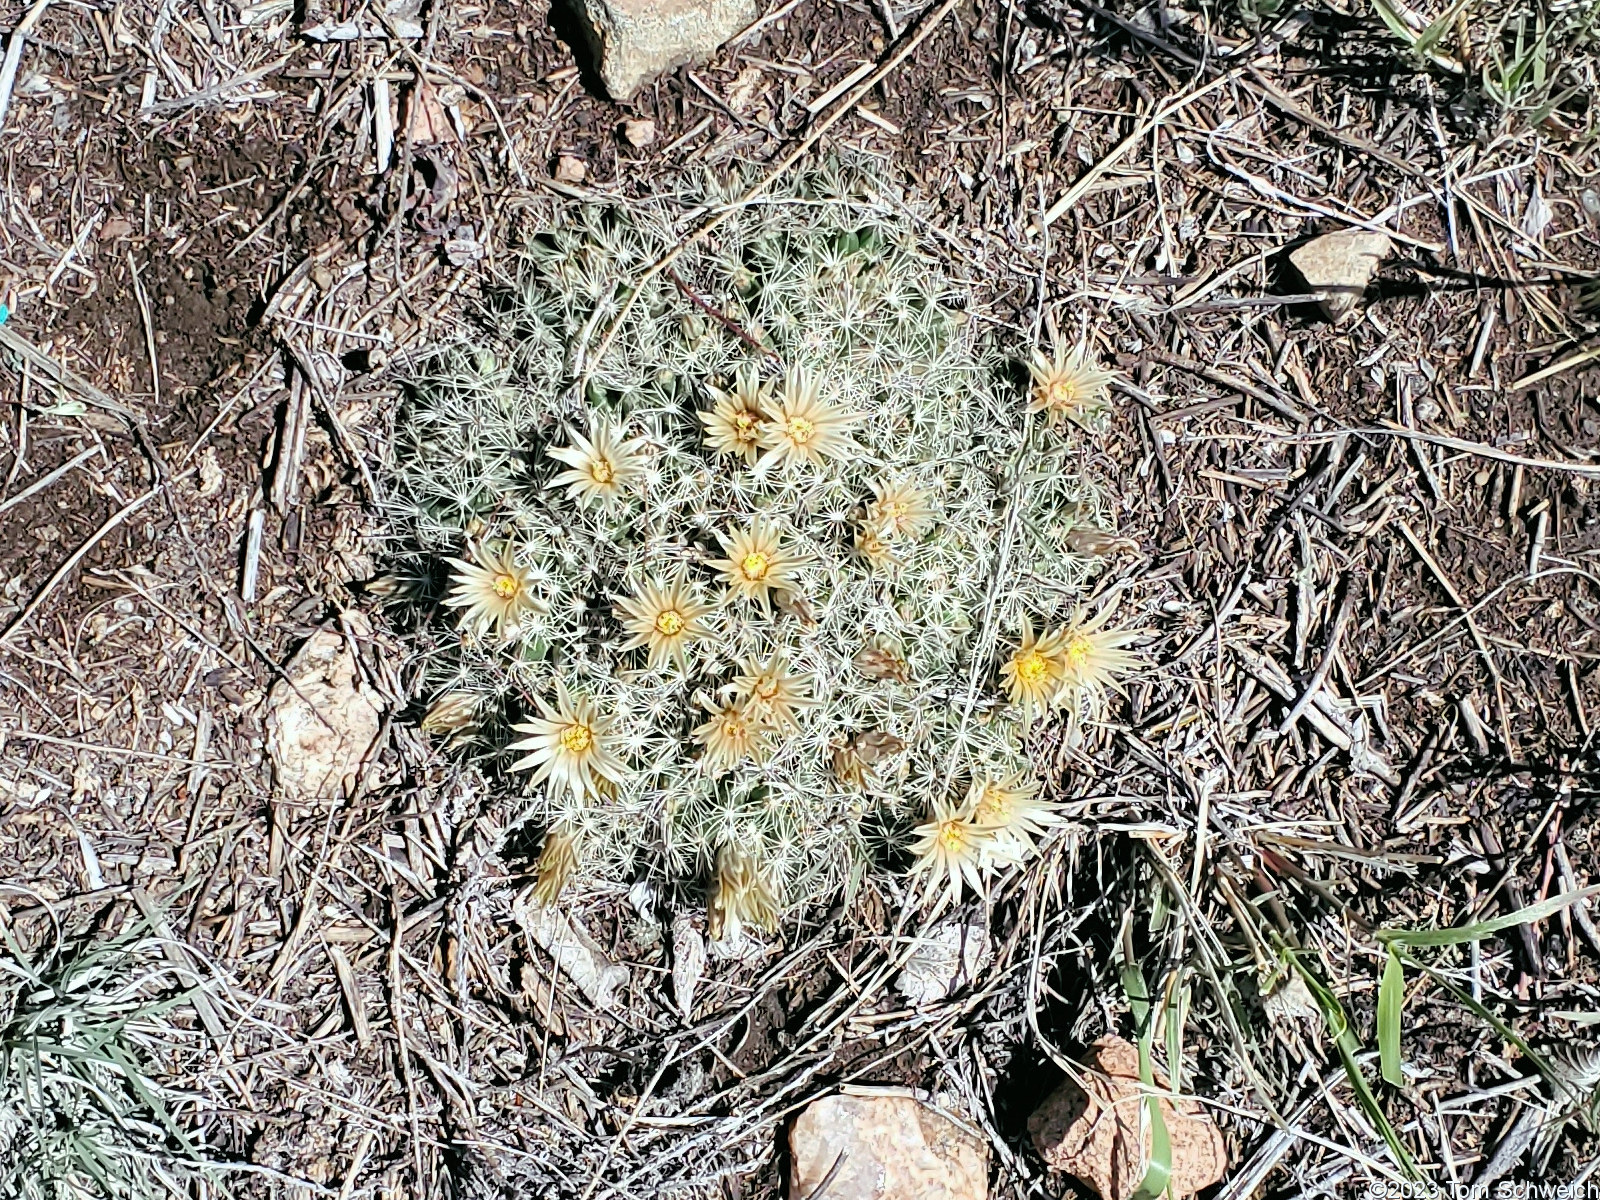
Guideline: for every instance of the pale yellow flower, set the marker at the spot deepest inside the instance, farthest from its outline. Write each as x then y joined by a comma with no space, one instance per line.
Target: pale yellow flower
558,862
667,617
950,848
1012,805
1092,660
758,562
1069,386
734,425
604,467
744,894
899,510
732,735
878,551
572,747
774,693
804,428
452,713
1034,673
494,593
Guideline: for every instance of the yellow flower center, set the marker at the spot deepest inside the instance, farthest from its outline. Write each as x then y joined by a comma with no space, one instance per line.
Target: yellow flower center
896,510
1077,652
603,471
744,426
952,836
1061,392
669,622
993,805
766,688
734,728
505,586
577,738
755,565
799,430
1031,668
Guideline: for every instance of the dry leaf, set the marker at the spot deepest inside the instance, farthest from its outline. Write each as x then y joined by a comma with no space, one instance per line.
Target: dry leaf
1098,542
746,87
797,606
426,120
577,954
853,761
688,962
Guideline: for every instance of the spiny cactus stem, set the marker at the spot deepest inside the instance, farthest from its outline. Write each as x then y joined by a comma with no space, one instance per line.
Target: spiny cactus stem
709,225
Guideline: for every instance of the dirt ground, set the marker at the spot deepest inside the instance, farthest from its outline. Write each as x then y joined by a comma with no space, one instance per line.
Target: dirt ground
200,251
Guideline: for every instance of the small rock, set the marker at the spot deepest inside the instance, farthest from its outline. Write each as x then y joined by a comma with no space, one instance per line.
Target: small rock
570,169
1340,265
884,1148
321,719
633,41
947,957
1098,1135
639,133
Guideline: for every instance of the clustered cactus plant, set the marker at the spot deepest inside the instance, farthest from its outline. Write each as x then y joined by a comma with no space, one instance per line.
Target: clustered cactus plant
757,588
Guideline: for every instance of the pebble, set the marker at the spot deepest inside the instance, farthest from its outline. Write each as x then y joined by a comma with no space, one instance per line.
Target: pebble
1340,265
884,1147
634,41
321,719
1096,1132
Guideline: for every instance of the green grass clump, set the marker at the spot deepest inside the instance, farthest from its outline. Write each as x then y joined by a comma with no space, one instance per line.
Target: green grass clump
82,1113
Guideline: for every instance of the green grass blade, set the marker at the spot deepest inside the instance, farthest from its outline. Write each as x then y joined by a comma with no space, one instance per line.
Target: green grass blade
1349,1048
1158,1172
1464,998
1391,1000
1395,22
1158,1175
1429,38
1455,936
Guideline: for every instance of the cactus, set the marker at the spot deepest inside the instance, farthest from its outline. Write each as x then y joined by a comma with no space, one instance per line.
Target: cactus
758,575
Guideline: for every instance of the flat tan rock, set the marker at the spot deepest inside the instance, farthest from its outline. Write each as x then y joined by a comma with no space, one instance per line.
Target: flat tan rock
1339,265
884,1148
321,719
1095,1132
635,40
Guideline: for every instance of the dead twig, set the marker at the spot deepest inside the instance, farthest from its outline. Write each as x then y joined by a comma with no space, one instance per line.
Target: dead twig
1472,627
1347,605
77,556
13,58
720,317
